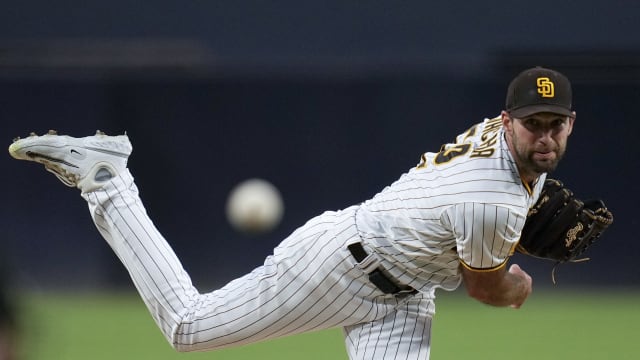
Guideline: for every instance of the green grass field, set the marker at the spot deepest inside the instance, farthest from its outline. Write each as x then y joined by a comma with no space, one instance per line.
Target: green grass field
553,324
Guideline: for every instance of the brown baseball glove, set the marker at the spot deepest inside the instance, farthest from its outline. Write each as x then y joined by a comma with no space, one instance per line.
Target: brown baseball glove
560,227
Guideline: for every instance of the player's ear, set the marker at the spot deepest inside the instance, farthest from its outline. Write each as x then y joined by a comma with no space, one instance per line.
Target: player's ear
507,121
572,119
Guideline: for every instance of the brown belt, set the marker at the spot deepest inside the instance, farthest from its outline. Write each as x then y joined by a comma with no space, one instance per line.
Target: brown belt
377,277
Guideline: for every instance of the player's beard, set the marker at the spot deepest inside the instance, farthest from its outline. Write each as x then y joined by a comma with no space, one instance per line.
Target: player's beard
527,162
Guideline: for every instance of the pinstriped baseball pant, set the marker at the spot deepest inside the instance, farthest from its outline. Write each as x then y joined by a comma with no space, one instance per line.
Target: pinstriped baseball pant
311,282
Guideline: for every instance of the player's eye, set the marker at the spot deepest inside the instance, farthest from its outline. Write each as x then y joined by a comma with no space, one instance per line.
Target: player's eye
531,124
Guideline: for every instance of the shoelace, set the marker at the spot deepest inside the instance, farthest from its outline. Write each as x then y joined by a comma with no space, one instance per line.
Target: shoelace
67,178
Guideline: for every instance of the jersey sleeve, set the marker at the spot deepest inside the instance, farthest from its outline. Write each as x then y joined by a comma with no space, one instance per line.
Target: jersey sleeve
486,234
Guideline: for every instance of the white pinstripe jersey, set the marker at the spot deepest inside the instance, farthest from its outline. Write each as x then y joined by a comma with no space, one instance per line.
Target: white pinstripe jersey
464,204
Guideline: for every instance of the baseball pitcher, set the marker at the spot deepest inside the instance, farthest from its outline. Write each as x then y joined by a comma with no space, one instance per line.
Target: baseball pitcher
371,269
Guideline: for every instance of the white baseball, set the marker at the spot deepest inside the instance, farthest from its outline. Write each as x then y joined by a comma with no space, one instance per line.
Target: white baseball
254,206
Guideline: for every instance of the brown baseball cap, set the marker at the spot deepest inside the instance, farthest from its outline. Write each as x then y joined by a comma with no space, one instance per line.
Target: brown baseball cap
539,90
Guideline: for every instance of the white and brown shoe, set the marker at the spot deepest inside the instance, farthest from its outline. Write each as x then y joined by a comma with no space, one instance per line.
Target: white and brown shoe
86,163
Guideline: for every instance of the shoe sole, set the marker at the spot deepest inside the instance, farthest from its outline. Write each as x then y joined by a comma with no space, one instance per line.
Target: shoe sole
18,148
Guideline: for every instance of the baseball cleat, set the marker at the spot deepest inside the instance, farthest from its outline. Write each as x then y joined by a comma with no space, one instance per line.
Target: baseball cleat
86,163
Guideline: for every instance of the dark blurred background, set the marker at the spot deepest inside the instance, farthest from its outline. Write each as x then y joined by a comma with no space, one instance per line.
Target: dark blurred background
330,101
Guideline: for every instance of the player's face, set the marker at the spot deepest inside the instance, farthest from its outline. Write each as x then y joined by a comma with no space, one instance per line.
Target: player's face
538,141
